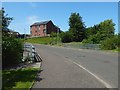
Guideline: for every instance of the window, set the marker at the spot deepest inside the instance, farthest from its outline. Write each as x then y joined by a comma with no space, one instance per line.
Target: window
37,28
44,30
44,26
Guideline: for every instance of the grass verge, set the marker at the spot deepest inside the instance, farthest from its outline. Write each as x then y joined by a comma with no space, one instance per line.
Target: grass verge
53,41
22,78
39,40
43,40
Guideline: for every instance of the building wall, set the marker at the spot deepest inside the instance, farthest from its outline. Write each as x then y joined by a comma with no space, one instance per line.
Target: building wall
42,33
38,31
51,28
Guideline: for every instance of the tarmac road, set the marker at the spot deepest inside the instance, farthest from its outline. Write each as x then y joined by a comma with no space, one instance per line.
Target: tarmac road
73,68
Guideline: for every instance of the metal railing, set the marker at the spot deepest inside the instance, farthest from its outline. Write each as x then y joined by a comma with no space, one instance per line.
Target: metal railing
82,46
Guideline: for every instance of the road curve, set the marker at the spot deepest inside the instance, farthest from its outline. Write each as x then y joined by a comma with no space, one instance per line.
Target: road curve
72,68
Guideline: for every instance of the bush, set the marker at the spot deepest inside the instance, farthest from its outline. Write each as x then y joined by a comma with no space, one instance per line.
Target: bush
53,34
66,36
12,50
87,41
110,43
91,40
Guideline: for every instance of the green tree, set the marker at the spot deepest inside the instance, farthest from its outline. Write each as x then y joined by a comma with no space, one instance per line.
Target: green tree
5,19
107,28
100,32
11,47
77,27
90,31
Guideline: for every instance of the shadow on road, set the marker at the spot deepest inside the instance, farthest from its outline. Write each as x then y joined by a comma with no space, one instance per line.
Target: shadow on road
38,79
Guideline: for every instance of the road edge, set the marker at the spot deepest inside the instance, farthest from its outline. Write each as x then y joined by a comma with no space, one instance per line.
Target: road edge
30,88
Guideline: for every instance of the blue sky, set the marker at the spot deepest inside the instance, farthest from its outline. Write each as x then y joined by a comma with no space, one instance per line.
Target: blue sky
26,13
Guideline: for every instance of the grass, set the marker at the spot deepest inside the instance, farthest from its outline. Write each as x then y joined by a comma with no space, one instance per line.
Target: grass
22,78
42,40
39,40
53,41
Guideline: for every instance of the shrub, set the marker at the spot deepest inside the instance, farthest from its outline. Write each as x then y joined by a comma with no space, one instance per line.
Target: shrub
12,50
91,40
53,34
87,41
110,43
66,36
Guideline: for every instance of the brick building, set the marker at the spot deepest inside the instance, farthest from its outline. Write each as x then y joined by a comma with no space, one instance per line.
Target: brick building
41,29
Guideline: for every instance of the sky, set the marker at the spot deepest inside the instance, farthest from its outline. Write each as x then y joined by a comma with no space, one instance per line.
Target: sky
60,0
26,13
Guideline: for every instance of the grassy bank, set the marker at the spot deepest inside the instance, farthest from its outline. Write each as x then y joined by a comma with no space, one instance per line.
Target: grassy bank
53,41
22,78
42,40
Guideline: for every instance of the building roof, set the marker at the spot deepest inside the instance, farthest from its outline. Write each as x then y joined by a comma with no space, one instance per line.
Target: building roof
9,30
40,23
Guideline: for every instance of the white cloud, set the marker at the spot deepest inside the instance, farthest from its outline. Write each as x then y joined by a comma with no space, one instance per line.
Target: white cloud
32,19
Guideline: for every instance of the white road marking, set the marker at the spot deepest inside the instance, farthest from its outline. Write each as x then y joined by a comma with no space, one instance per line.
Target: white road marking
99,79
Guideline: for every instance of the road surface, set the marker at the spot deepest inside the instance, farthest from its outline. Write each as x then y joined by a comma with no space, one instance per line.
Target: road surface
76,68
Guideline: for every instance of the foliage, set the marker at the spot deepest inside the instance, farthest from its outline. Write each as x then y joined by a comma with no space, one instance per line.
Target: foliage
53,34
5,19
21,78
100,32
107,28
66,36
11,51
92,30
76,31
11,47
77,27
110,43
